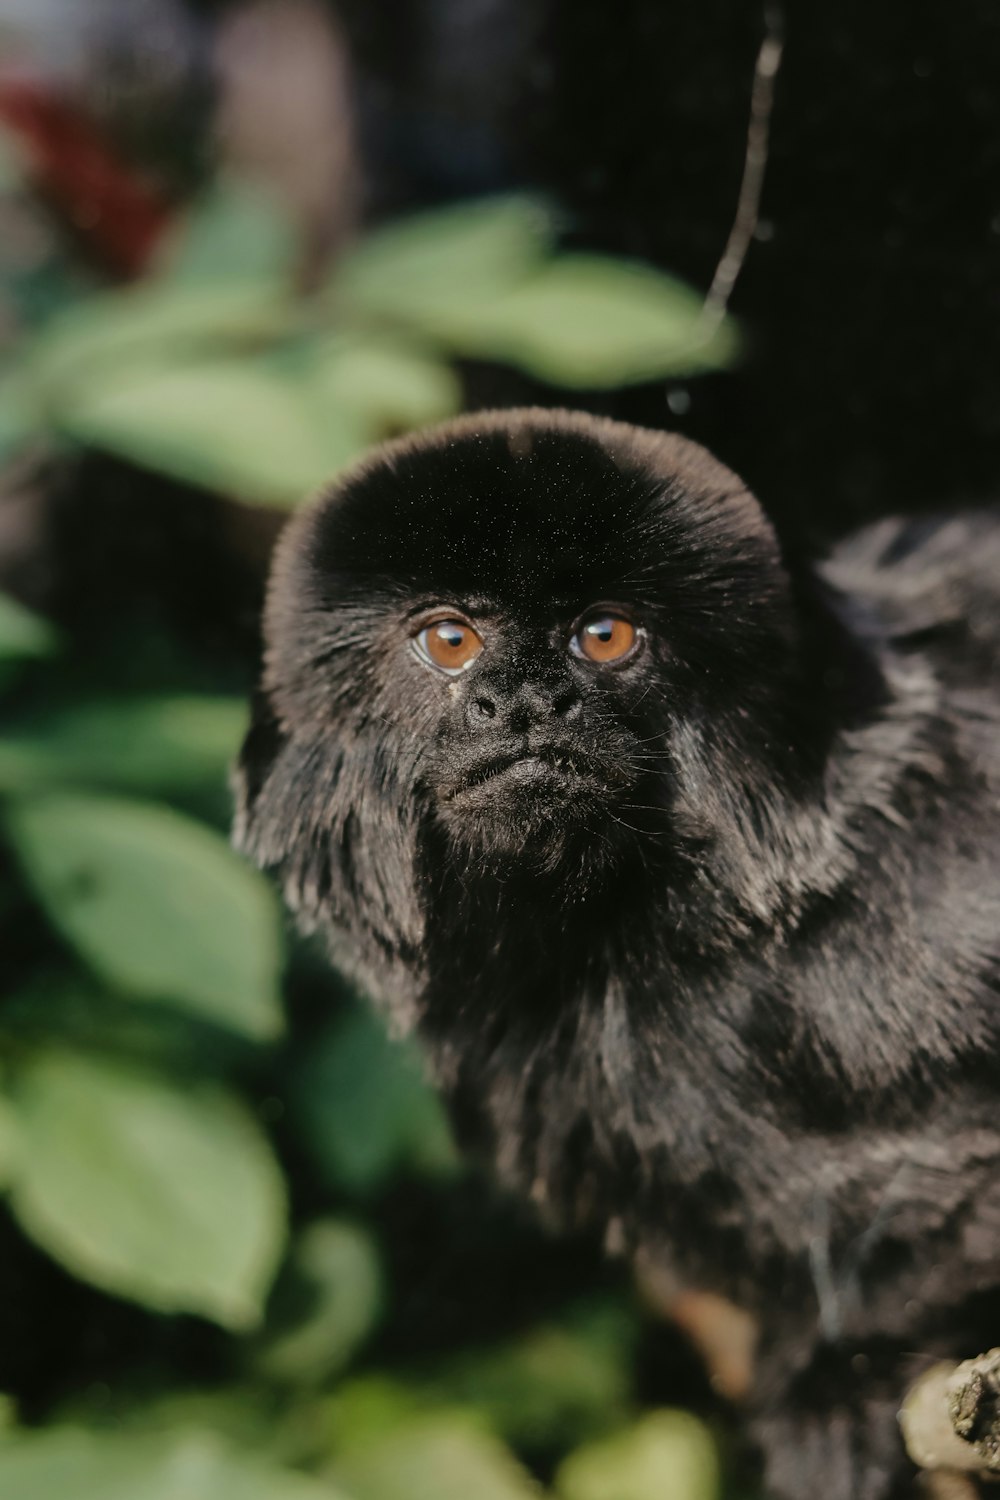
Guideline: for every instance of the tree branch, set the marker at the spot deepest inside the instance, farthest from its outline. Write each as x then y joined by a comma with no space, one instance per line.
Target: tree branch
951,1417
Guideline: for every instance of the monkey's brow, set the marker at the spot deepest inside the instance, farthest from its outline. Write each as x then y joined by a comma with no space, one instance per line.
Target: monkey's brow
548,604
447,599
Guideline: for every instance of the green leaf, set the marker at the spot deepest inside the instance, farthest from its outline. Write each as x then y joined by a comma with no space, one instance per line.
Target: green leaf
8,1139
165,1194
586,321
267,431
169,742
8,1416
233,231
390,385
439,1458
70,1464
668,1453
415,268
247,428
62,1006
111,336
325,1304
23,633
543,1392
19,422
366,1108
244,1417
481,280
549,1389
364,1410
156,903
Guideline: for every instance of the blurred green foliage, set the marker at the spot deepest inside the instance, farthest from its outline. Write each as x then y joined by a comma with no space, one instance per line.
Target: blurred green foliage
217,371
164,1138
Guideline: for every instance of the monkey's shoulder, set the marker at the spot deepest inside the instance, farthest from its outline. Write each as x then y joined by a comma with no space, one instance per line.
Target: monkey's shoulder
931,583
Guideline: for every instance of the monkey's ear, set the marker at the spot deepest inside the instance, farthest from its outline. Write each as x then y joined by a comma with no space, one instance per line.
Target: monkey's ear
262,744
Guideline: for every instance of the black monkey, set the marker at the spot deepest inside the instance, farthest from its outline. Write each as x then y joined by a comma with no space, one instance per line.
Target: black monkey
684,863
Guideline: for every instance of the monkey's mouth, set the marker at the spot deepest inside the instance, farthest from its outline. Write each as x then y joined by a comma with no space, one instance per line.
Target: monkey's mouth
528,771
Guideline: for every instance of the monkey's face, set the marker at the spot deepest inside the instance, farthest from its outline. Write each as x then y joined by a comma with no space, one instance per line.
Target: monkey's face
537,734
516,631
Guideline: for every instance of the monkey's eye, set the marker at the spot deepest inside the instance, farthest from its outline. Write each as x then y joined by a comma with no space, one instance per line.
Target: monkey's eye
449,645
604,637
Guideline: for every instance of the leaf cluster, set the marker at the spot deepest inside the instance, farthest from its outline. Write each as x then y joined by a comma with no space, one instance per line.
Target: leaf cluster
198,1129
219,371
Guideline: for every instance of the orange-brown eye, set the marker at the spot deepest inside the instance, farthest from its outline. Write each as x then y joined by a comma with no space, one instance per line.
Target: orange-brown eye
604,637
449,645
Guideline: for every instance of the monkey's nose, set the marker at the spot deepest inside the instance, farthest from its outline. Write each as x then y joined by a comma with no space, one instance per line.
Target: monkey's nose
529,704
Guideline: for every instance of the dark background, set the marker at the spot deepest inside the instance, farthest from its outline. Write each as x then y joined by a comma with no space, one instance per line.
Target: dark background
872,380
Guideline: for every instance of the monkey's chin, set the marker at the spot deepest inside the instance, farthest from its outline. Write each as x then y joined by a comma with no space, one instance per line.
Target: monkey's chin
528,811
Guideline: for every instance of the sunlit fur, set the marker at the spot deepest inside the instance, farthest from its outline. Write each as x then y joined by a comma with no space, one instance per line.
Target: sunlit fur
720,962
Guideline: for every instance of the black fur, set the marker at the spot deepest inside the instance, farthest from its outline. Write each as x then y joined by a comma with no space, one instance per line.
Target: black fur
723,967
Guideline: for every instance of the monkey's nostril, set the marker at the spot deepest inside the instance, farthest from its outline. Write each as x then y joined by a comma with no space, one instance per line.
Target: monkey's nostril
485,707
566,704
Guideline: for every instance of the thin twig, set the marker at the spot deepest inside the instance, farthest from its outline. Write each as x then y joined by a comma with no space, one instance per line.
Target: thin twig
752,183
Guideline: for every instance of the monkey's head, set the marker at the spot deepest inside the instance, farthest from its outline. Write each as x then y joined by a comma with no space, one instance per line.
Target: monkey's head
528,641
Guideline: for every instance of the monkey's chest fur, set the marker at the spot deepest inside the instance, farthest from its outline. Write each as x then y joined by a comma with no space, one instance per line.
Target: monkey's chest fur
721,1133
